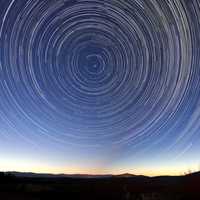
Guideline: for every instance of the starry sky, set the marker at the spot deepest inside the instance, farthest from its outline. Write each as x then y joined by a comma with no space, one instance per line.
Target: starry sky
100,86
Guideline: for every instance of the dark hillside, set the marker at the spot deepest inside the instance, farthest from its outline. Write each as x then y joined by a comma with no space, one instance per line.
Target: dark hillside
113,187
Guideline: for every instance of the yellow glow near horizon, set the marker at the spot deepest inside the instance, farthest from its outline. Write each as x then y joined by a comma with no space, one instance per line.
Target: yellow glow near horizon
76,170
161,171
32,166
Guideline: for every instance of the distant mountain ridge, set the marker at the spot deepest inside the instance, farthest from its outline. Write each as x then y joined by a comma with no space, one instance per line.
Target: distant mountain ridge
124,175
47,175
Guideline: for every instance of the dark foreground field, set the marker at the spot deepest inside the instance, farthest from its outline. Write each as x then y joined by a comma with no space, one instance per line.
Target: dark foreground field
100,188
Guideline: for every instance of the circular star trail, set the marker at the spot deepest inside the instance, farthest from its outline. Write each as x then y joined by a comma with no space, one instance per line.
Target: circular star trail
99,72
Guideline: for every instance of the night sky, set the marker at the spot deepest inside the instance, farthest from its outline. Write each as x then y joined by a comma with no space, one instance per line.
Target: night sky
100,86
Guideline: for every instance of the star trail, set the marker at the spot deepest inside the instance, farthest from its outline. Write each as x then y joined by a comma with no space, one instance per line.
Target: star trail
113,78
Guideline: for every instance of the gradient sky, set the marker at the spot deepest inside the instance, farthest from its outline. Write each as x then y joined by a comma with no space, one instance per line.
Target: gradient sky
100,86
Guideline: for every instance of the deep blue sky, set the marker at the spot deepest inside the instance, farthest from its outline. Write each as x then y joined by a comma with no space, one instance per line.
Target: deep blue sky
100,86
